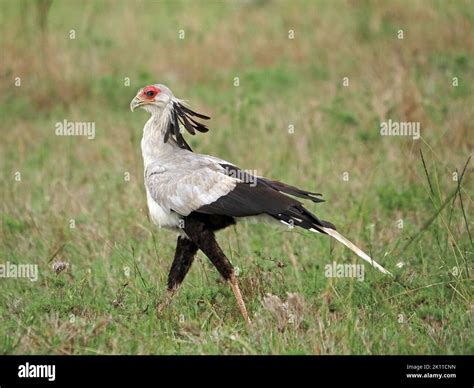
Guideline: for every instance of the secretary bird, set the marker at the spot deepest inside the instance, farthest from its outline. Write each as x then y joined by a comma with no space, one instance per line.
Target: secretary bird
197,195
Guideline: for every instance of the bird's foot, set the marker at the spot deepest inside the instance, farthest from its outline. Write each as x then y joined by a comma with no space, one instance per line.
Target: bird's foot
161,306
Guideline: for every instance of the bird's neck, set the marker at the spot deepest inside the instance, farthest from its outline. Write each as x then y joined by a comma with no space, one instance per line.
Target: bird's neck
153,144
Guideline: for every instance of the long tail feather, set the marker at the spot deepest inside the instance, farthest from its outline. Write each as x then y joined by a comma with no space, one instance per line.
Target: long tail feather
355,249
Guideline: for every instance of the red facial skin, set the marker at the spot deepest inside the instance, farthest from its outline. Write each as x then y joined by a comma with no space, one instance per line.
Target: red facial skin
149,89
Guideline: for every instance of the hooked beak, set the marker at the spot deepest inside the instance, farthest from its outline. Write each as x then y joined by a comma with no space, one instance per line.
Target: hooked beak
137,103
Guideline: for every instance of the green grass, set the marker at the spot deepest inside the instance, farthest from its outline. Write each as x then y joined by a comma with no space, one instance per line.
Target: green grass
93,307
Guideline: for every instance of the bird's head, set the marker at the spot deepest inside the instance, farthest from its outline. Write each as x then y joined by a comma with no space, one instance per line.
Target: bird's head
153,98
159,100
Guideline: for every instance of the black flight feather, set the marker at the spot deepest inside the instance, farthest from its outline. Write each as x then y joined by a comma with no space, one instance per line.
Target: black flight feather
254,196
187,124
186,116
185,109
183,115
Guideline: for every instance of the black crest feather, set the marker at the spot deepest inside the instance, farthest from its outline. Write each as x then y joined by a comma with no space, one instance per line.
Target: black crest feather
184,116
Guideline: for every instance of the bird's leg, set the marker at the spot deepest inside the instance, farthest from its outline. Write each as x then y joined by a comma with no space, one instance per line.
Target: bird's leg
183,258
160,307
204,238
238,296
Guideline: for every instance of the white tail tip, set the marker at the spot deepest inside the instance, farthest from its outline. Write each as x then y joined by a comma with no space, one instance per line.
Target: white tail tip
355,249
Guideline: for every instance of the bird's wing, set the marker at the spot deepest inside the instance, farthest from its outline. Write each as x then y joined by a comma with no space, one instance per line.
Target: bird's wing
253,196
204,184
188,185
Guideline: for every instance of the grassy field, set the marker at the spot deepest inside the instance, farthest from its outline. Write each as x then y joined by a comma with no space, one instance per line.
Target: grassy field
67,199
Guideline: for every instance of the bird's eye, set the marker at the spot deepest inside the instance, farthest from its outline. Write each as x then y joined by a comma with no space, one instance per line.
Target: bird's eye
150,93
